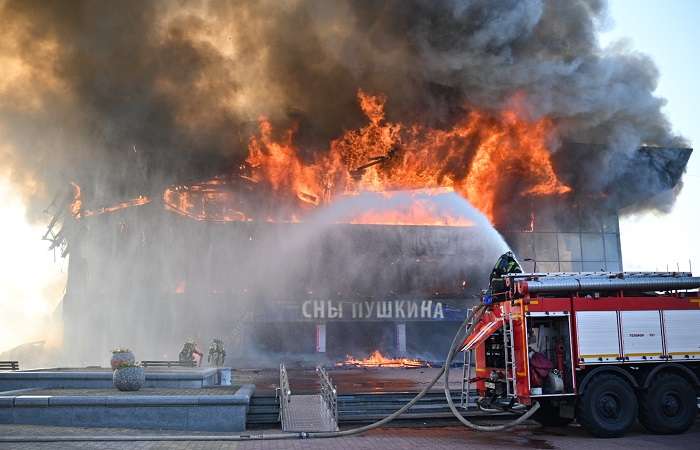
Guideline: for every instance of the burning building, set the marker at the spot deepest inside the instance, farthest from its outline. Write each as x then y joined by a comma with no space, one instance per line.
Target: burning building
150,277
272,259
321,175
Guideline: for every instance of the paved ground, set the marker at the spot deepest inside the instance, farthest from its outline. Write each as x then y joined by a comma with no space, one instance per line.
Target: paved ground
416,437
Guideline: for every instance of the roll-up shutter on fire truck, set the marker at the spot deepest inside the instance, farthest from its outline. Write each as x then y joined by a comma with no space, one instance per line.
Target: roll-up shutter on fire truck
597,336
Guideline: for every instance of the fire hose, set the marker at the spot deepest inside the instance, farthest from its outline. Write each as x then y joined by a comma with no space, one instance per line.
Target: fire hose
472,314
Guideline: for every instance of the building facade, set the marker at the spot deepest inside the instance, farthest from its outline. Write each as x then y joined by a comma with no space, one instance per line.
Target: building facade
149,279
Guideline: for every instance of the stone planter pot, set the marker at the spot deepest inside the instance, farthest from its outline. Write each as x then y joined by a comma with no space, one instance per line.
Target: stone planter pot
130,378
122,358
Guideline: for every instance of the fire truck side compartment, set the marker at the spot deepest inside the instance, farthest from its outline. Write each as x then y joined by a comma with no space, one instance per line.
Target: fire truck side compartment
642,339
597,336
638,336
682,333
547,331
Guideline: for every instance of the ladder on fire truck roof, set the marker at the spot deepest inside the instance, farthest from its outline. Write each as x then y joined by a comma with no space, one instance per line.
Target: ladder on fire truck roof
634,275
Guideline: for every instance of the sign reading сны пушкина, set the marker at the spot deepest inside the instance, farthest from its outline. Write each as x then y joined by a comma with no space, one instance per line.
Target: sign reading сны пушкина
373,310
361,310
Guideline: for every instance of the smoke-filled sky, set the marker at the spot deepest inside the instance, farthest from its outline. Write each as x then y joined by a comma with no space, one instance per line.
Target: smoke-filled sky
127,97
668,33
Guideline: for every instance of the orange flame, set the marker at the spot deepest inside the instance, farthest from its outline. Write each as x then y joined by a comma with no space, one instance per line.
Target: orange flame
77,203
138,201
278,163
484,157
76,206
376,359
205,201
423,207
477,157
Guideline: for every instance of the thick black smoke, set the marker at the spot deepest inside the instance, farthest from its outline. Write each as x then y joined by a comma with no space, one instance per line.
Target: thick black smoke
124,97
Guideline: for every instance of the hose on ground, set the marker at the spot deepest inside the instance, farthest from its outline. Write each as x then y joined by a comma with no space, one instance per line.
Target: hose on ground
445,368
474,313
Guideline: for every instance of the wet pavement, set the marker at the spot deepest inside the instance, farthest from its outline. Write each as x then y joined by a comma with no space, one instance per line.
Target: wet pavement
347,380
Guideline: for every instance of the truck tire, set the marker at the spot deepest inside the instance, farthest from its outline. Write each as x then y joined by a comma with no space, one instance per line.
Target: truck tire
669,405
548,415
608,406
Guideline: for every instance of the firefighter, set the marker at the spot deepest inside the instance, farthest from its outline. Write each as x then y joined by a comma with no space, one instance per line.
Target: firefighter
190,353
217,354
506,264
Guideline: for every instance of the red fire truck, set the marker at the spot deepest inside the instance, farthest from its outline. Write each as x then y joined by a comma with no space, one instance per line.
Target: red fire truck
601,348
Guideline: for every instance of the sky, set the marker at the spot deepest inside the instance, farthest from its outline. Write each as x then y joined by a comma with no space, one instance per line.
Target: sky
33,281
667,31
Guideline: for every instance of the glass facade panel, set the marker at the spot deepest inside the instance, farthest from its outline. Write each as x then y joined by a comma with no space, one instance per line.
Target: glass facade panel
546,247
594,266
612,247
590,223
575,240
569,246
547,266
611,223
523,244
592,247
613,266
528,266
545,218
570,266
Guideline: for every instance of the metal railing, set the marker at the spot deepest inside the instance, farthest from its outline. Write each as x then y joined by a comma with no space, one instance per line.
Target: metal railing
465,399
328,392
284,391
509,356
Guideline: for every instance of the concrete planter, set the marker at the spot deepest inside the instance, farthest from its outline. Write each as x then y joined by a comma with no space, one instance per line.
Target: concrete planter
157,411
121,359
225,376
129,378
103,379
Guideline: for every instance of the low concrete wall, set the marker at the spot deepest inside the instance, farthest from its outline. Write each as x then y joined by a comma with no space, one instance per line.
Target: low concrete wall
82,379
181,412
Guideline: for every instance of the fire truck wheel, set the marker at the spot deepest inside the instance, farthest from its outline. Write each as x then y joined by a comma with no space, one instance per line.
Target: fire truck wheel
669,405
548,415
608,406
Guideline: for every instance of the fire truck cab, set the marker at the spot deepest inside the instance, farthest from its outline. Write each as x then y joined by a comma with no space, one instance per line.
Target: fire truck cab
605,349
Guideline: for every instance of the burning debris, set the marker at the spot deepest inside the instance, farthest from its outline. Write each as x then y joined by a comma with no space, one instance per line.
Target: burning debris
376,360
415,157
